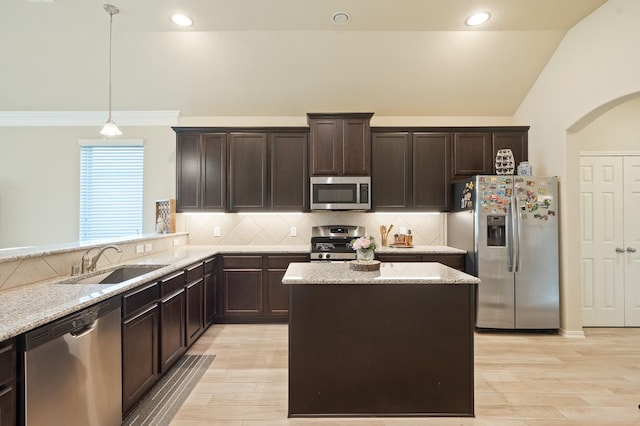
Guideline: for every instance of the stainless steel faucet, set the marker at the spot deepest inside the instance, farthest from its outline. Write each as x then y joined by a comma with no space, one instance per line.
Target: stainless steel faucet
88,263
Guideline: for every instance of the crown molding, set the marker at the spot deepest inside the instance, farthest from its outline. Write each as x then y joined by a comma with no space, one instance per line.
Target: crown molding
87,118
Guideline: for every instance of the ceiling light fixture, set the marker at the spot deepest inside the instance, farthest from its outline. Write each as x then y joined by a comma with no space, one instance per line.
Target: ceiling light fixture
478,19
110,128
340,18
181,20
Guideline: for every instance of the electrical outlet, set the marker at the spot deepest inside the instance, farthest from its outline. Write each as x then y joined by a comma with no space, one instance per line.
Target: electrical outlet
294,231
176,242
148,247
139,248
216,231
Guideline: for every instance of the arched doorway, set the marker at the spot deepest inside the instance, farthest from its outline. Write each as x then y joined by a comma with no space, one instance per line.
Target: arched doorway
605,136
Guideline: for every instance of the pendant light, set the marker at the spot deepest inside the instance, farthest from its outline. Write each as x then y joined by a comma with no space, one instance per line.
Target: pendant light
110,128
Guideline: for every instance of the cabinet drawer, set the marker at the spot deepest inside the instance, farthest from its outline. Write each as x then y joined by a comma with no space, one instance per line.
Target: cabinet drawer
140,298
209,265
455,261
282,262
398,257
172,283
195,272
242,262
7,360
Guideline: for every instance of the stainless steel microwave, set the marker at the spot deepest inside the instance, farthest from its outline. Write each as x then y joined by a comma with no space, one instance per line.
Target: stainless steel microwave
340,193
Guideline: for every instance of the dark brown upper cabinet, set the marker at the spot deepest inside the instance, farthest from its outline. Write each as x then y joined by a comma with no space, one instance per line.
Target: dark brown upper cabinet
431,183
474,151
289,173
391,177
242,169
471,154
248,171
517,142
201,171
268,171
340,144
410,171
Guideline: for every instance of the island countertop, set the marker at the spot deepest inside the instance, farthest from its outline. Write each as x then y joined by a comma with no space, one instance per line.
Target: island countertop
389,273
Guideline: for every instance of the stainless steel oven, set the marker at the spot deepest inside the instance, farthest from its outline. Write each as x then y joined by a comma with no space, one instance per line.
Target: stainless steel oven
340,193
333,242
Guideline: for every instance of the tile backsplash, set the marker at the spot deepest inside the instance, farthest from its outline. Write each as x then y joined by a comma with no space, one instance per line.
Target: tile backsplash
275,228
53,263
235,229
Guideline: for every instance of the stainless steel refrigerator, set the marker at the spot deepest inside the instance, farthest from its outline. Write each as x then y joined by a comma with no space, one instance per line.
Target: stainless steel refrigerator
509,227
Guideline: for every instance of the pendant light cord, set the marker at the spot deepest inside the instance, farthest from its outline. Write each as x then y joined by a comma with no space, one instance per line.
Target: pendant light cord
110,41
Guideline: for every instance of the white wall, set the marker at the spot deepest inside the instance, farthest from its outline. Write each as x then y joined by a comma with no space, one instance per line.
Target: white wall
617,130
595,68
40,166
39,180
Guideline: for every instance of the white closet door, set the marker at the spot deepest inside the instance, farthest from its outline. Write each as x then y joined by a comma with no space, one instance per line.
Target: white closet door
632,240
601,207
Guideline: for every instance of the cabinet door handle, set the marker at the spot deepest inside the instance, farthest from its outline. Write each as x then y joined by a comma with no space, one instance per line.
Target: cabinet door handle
631,250
5,389
619,250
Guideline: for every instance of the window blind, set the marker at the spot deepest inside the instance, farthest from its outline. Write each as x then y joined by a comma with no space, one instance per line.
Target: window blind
111,190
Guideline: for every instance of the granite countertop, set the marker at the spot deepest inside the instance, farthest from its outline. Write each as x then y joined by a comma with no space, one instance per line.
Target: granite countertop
27,307
389,273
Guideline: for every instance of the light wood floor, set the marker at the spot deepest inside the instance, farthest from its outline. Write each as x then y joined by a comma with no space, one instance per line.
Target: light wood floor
520,379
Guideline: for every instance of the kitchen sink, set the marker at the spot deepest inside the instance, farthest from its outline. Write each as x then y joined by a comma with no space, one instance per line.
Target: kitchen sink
116,276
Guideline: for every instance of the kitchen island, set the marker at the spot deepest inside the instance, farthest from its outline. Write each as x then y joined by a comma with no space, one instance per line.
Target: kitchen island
393,342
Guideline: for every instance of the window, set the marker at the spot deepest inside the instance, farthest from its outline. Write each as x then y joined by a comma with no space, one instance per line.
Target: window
110,189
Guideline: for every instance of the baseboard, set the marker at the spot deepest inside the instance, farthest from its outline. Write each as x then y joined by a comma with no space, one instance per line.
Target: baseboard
572,334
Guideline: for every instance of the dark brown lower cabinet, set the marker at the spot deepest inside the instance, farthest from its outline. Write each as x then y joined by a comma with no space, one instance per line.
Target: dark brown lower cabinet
241,287
251,288
8,393
160,320
172,329
139,354
277,293
381,350
210,291
455,261
195,310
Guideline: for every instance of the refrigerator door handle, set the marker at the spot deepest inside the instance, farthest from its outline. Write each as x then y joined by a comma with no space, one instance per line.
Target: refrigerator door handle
510,238
514,251
516,220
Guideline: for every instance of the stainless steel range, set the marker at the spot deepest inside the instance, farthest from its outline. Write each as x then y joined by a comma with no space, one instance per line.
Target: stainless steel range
333,242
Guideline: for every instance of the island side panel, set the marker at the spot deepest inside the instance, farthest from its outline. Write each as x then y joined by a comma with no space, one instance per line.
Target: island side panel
381,350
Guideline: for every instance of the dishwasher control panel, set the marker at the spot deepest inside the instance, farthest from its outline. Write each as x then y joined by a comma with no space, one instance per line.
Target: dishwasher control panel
70,323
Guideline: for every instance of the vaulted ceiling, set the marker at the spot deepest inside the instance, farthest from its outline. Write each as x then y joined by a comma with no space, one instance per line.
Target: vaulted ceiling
280,57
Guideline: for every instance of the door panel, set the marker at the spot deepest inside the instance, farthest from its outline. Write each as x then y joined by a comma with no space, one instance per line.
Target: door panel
632,240
601,207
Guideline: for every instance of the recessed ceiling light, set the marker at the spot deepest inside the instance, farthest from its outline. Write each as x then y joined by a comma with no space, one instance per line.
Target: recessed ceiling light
478,19
340,18
182,20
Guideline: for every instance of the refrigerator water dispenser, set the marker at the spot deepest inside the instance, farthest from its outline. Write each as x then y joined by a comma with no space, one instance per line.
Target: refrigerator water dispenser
496,231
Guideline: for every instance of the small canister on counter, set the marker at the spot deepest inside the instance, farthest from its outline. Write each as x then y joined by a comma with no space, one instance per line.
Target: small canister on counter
524,169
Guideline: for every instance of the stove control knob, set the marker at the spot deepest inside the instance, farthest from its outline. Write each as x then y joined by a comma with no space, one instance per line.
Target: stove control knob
327,256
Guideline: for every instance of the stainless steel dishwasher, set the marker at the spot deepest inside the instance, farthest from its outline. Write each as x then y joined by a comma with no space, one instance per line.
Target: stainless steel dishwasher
73,369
